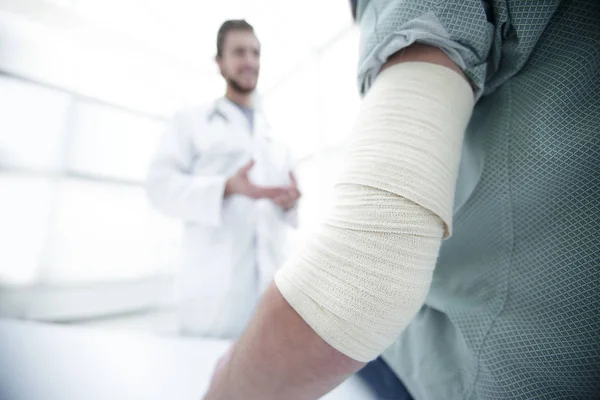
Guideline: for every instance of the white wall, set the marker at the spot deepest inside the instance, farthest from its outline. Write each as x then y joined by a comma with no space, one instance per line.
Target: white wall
71,201
313,110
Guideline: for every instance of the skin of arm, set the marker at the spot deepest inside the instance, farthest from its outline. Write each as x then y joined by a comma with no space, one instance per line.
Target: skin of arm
279,356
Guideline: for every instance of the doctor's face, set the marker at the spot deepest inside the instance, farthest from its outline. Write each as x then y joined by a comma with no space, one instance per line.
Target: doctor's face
240,60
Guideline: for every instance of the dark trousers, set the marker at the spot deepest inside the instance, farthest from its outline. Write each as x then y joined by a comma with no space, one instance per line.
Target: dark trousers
383,382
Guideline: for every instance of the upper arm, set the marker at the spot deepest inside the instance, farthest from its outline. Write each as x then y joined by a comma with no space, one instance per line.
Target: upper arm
423,53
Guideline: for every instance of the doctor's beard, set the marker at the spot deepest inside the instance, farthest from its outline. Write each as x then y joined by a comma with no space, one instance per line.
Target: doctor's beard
239,88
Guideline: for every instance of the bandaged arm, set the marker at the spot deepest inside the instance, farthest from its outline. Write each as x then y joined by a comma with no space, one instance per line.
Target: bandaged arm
365,271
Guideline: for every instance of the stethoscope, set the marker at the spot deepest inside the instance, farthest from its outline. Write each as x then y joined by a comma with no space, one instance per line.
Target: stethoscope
216,113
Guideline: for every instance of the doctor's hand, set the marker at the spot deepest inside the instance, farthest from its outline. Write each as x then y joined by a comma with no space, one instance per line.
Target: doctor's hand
289,198
240,184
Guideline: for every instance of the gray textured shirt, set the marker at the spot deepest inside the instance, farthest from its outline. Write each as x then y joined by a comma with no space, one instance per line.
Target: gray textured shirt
514,307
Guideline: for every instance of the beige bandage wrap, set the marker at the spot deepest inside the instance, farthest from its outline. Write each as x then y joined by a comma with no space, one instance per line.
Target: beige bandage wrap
364,272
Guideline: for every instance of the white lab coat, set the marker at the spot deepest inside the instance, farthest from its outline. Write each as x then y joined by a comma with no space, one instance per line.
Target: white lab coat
231,247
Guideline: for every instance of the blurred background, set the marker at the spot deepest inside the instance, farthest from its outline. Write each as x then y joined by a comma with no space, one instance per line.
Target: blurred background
86,87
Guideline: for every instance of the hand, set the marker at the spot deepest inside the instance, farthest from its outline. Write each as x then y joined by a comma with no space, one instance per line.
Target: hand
289,198
240,184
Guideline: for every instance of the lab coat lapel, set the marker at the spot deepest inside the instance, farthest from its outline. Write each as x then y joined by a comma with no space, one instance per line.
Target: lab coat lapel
233,114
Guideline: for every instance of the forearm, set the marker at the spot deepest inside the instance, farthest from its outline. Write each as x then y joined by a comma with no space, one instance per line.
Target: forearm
281,357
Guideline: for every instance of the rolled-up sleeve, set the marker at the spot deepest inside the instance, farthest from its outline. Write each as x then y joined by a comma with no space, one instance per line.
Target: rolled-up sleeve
460,28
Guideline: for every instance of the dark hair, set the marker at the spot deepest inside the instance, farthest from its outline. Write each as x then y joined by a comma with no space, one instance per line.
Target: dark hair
228,26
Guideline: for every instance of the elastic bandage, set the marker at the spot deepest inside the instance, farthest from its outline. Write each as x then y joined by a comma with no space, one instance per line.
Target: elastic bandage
364,272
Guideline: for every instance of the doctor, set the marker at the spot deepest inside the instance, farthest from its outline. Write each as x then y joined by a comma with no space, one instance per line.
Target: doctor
218,171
